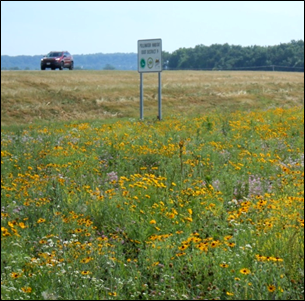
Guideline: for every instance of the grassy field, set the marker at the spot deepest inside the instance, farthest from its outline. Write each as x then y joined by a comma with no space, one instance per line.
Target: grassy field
30,96
207,204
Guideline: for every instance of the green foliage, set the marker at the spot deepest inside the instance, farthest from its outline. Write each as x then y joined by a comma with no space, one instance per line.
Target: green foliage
283,57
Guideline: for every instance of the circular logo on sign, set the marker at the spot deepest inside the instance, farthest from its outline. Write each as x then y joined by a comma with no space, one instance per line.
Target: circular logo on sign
150,62
142,63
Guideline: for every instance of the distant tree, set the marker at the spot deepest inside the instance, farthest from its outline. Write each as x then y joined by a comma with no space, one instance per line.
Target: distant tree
108,67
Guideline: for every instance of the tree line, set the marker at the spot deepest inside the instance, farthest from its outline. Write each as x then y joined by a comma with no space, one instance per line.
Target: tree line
283,57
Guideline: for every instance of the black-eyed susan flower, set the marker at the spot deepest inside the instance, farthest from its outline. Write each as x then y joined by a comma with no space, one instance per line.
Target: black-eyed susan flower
171,215
245,271
228,237
11,224
15,275
22,225
183,247
5,232
224,265
41,220
86,260
271,288
214,244
260,257
278,259
26,289
112,294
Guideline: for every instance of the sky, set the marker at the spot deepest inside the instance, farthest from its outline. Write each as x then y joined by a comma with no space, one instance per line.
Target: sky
87,27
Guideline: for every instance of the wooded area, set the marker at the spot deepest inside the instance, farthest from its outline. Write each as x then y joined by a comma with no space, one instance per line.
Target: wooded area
283,57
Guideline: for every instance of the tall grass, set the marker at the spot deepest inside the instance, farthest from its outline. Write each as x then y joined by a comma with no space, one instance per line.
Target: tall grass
206,207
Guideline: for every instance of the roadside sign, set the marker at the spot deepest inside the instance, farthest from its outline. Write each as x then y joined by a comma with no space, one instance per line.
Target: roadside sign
149,60
149,55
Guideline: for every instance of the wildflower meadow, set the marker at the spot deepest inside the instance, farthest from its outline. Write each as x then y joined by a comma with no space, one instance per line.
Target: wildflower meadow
186,208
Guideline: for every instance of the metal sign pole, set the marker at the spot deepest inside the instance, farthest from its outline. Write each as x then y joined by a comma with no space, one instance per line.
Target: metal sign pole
159,97
141,97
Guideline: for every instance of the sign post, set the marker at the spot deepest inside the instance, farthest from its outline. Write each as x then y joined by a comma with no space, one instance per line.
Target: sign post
149,60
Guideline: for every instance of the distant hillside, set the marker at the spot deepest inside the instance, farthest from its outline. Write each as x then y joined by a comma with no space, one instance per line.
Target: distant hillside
97,61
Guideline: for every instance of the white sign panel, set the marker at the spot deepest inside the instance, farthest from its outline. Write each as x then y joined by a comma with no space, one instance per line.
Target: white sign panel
149,55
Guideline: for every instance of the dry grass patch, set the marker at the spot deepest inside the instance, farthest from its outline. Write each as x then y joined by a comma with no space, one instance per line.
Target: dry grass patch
27,96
